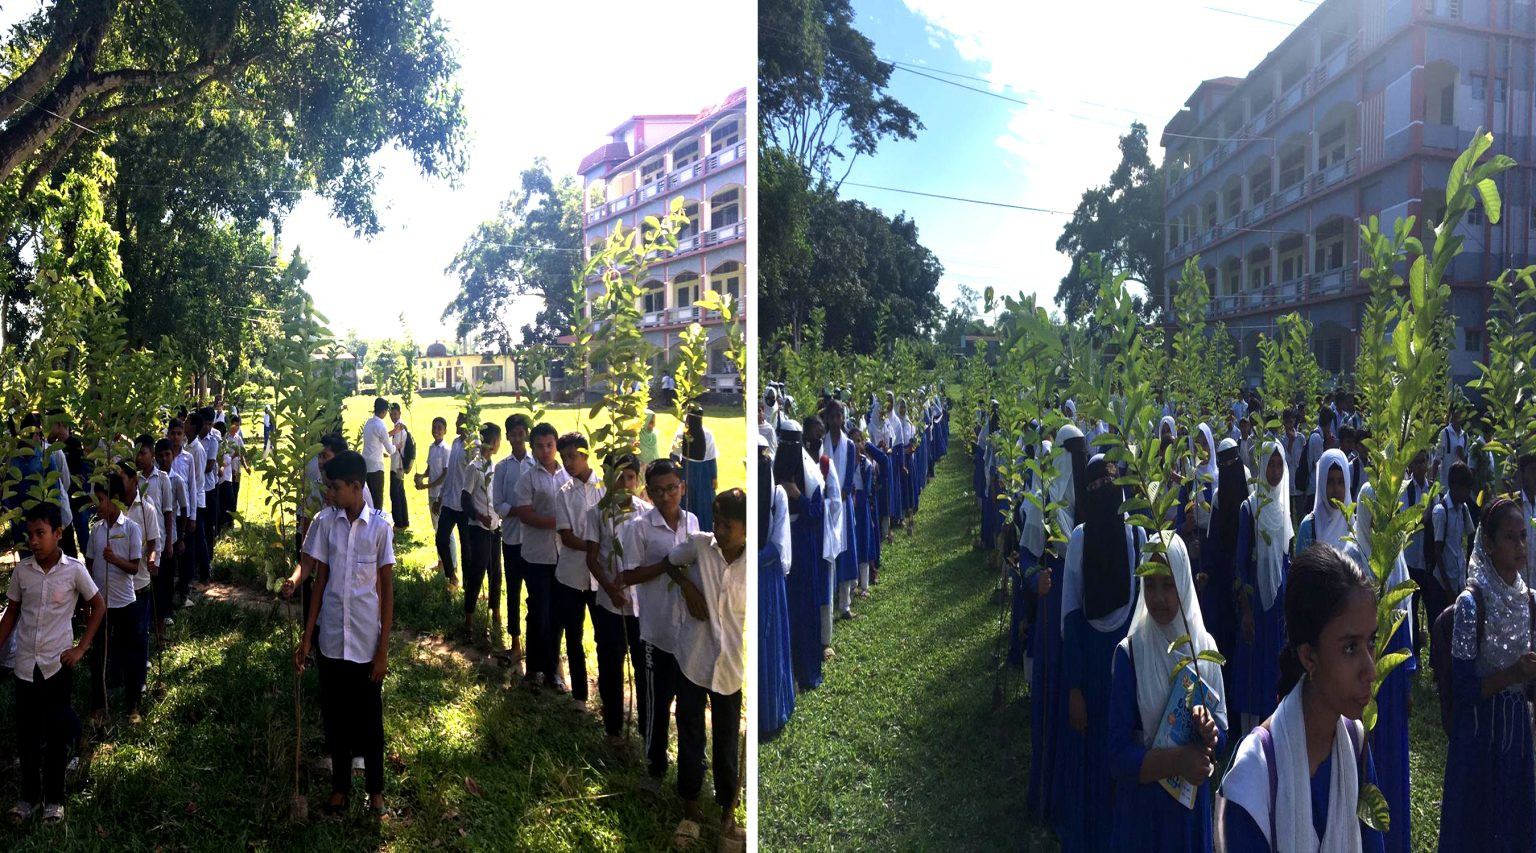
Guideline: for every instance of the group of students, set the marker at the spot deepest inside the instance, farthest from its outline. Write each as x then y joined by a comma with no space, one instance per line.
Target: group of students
661,571
833,490
146,526
1286,601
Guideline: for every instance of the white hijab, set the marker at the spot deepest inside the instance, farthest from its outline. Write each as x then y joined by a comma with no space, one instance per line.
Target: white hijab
1207,470
1328,522
1149,647
1247,784
1363,545
1063,485
1271,511
1506,614
778,526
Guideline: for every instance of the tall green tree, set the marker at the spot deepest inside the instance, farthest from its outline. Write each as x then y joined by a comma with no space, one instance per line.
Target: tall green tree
822,88
1121,221
532,247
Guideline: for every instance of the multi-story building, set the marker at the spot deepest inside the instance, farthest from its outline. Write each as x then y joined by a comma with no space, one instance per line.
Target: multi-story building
1360,111
650,160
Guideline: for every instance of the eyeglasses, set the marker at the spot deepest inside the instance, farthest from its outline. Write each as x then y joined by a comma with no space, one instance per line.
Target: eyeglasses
667,491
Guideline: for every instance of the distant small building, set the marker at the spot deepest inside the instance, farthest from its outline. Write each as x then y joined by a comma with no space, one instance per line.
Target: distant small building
497,374
345,367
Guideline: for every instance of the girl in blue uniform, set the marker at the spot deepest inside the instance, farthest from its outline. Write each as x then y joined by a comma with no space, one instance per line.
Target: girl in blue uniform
1263,559
1147,817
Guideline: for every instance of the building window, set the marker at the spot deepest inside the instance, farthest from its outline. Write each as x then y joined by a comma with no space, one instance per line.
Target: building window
726,279
1500,90
1333,355
1479,87
724,210
488,374
651,171
655,298
685,155
687,290
724,136
1474,340
692,228
1475,215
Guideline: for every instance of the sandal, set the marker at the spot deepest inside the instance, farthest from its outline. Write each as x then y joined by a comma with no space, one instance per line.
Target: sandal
53,813
21,812
686,835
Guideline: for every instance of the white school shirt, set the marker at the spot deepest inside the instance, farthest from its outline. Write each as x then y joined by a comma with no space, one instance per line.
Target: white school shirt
453,480
47,600
477,482
1291,450
1414,552
600,533
127,539
397,443
710,651
572,512
353,552
658,605
197,462
508,471
234,463
1445,452
1452,524
376,444
161,491
210,444
539,489
147,516
437,462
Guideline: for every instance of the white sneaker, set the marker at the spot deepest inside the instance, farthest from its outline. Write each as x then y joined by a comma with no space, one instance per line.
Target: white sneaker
168,621
357,764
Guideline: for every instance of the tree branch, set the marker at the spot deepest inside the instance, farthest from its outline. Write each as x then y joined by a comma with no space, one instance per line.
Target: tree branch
66,29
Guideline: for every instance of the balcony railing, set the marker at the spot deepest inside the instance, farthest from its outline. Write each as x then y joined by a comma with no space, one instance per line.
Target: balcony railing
1269,115
1309,185
725,233
1286,292
670,181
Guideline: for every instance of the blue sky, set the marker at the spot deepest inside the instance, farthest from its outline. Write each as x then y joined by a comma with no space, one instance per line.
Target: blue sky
1086,70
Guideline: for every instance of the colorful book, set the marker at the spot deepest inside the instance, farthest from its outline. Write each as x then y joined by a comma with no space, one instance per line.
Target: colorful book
1177,728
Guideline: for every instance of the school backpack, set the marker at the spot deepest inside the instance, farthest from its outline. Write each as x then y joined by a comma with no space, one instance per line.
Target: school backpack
1440,647
408,453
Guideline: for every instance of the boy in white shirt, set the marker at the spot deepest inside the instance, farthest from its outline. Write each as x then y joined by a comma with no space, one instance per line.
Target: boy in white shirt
652,537
143,511
533,504
43,592
115,549
354,560
195,474
378,450
615,628
432,478
234,463
709,655
509,470
169,493
483,526
574,585
451,514
399,436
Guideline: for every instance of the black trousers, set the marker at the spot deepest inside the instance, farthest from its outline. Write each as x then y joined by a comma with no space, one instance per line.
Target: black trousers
570,618
1435,600
481,546
210,531
724,719
120,644
68,544
164,582
190,559
515,571
375,481
42,734
226,505
541,653
614,635
353,709
397,508
449,519
661,688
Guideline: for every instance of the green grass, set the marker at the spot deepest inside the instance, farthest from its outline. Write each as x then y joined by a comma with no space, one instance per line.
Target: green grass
212,765
902,748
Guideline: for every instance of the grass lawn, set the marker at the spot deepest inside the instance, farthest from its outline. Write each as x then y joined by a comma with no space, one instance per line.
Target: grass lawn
904,746
470,764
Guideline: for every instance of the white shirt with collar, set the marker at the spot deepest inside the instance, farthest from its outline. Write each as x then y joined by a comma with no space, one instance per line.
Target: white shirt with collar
127,539
710,651
197,462
477,483
657,604
160,490
453,480
210,445
599,531
572,512
540,489
43,630
398,435
353,551
376,444
151,523
508,471
437,463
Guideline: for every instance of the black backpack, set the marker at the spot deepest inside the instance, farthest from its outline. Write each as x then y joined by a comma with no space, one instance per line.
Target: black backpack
1440,647
408,454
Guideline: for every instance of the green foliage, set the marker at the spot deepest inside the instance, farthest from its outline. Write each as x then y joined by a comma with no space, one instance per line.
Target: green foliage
692,363
729,309
1505,377
1292,376
532,246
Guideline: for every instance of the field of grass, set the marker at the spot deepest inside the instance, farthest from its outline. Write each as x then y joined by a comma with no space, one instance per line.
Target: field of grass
914,742
470,762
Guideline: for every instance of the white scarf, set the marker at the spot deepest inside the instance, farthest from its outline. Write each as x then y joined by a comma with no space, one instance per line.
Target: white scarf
833,542
1271,512
1506,617
1207,470
1032,537
1062,489
1247,784
1150,641
1363,543
1072,581
1328,522
778,526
